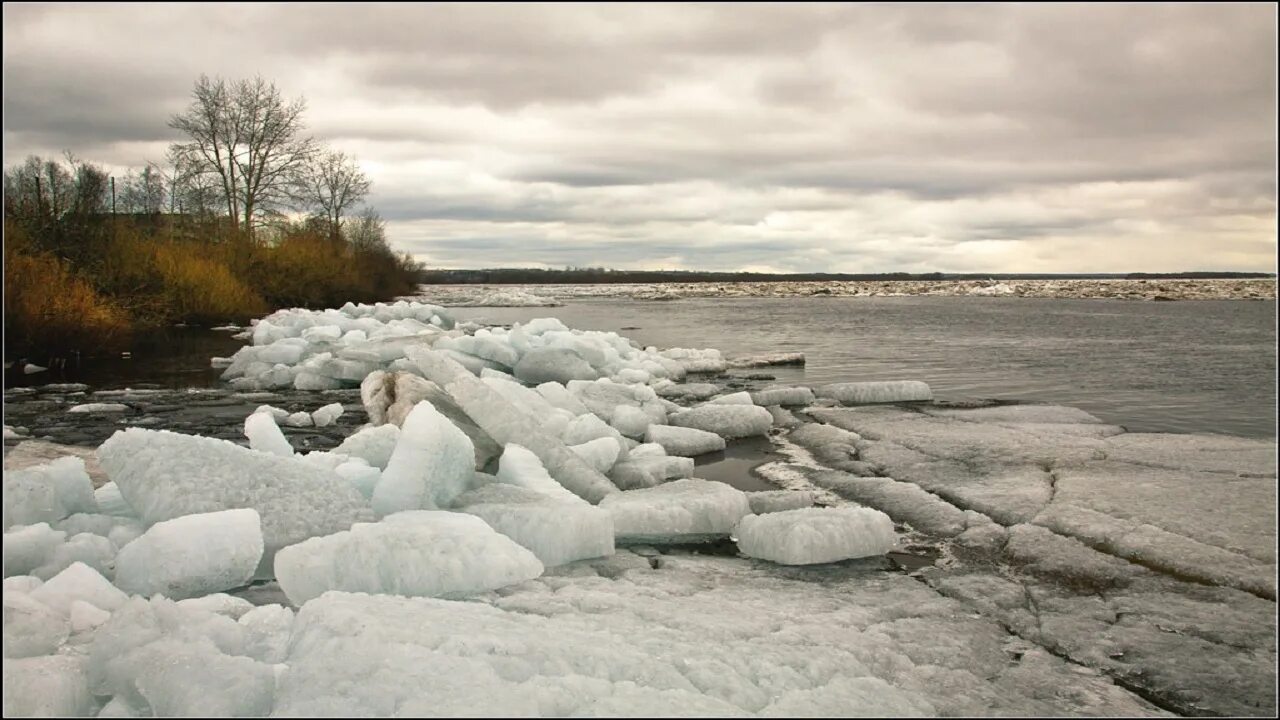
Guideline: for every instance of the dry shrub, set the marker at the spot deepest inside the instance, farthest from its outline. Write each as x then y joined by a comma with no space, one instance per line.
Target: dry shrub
50,310
202,290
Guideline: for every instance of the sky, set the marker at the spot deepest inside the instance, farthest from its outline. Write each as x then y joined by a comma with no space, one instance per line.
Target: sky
758,137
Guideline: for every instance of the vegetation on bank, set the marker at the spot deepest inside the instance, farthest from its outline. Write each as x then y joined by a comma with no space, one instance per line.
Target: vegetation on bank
246,216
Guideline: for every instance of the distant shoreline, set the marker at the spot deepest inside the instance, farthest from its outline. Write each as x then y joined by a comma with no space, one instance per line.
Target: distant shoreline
548,294
593,276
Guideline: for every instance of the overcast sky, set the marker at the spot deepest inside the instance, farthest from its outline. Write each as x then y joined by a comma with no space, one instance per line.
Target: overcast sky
840,138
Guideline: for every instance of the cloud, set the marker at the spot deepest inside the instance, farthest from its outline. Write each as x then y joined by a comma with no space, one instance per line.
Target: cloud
855,137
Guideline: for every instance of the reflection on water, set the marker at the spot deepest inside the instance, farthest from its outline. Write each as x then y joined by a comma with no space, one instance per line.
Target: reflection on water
733,465
1195,366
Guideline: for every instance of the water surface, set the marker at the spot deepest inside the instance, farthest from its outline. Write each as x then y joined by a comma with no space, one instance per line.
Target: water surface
1190,366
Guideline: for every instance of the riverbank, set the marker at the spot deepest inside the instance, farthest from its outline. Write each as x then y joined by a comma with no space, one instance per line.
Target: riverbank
1061,565
102,286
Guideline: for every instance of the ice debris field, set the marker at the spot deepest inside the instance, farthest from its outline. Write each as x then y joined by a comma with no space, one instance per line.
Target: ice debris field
510,535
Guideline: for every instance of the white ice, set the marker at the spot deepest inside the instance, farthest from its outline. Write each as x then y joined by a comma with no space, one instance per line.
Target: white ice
327,415
647,470
265,436
600,453
811,536
557,533
432,463
684,441
889,391
27,547
679,511
374,444
79,582
192,555
164,475
520,467
727,421
425,552
783,396
99,408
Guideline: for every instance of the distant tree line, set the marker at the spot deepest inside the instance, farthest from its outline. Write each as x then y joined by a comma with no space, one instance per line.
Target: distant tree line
244,215
535,276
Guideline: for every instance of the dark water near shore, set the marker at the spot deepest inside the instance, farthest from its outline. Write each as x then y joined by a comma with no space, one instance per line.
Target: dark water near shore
1189,366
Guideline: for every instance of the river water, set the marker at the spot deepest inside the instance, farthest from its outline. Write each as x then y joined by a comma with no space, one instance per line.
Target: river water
1188,366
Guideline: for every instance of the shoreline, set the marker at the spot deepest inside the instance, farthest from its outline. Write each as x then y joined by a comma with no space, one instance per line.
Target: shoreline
1125,569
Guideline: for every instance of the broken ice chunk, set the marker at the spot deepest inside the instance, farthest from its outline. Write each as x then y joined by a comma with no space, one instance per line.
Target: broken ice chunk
417,553
192,555
689,510
684,441
433,463
727,421
859,393
265,436
810,536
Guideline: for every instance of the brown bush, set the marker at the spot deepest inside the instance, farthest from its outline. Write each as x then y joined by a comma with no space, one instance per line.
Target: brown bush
48,309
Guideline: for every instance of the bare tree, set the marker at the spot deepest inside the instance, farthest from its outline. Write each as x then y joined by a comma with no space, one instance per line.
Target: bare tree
332,185
144,191
246,136
89,187
368,232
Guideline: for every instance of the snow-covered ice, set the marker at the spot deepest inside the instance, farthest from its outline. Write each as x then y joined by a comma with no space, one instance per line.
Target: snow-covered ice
424,552
809,536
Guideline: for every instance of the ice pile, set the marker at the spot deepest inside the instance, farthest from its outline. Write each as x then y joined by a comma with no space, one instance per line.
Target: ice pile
164,475
328,349
429,553
810,536
47,493
321,350
510,298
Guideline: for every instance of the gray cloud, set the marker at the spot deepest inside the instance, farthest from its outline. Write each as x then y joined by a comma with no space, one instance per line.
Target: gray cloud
861,137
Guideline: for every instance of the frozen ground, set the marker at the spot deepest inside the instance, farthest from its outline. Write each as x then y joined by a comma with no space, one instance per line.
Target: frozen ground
506,295
1081,569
